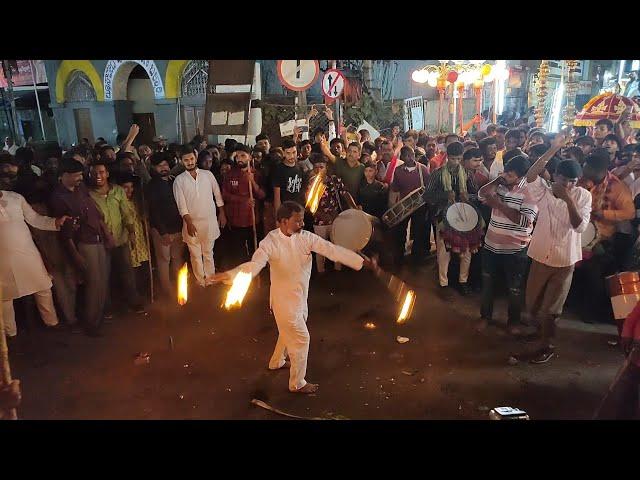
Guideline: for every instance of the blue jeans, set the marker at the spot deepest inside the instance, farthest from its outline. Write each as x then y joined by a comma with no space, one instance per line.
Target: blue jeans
514,268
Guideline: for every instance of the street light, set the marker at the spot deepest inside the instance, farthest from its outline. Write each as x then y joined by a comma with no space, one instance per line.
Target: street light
474,73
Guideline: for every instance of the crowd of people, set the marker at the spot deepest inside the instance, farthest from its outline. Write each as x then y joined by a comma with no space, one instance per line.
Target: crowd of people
104,217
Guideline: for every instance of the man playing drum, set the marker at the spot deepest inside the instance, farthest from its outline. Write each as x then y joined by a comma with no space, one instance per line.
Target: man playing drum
611,204
446,186
555,248
407,178
334,199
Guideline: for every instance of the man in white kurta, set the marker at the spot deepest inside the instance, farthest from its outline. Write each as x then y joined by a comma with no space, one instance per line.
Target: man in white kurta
22,271
194,191
288,249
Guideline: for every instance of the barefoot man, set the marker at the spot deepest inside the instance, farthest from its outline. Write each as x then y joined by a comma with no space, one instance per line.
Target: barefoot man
288,249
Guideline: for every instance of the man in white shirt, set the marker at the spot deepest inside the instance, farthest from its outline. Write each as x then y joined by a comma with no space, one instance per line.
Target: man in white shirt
194,191
288,249
22,271
10,146
564,212
491,166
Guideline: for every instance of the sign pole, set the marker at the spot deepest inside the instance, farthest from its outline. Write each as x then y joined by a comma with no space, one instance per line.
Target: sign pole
338,118
35,91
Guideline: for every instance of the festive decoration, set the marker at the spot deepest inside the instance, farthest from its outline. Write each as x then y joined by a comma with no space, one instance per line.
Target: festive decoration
485,70
609,106
571,88
541,91
452,76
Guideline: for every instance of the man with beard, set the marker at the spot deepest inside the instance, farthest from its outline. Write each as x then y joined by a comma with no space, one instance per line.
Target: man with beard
85,244
288,177
165,222
241,209
194,191
119,219
8,171
388,161
288,252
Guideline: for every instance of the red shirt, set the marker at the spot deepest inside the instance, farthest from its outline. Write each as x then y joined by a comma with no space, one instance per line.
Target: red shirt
235,193
437,161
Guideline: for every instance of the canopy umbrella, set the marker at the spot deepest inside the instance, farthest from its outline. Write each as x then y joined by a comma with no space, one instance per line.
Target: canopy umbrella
609,106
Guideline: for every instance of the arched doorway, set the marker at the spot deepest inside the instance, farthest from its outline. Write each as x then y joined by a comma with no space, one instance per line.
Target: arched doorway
141,95
193,86
77,90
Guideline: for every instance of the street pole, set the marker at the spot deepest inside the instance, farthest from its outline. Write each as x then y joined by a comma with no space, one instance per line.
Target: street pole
35,91
338,118
12,101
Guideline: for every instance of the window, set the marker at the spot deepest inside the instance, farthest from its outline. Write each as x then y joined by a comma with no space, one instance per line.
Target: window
79,88
194,79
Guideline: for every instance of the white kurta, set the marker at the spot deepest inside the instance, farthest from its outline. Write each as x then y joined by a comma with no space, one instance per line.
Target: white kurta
290,265
195,196
21,269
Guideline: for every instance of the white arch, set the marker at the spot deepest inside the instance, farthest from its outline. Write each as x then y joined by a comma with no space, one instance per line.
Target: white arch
117,72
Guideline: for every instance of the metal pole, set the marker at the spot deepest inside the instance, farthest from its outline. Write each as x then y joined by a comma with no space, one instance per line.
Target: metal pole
338,118
35,90
453,114
12,101
246,134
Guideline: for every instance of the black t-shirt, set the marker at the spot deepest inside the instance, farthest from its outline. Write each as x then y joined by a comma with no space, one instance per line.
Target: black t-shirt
373,198
290,180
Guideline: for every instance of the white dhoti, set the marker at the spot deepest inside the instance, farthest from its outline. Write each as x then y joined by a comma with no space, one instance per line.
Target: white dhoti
290,260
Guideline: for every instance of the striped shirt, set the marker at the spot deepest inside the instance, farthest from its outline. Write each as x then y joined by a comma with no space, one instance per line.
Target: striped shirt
503,236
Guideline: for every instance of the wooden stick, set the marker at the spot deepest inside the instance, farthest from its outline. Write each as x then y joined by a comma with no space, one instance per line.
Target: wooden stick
5,367
145,211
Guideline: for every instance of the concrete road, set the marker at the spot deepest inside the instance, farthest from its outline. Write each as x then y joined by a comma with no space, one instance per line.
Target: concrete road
218,362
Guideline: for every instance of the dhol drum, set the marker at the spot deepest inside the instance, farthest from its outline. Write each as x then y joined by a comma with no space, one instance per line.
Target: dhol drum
589,240
462,228
354,229
405,207
624,291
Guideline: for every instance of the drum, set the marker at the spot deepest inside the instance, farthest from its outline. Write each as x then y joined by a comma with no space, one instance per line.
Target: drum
624,291
589,236
462,228
404,208
354,229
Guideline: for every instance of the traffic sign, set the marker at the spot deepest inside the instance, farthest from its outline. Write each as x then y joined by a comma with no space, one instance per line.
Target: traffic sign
332,83
298,75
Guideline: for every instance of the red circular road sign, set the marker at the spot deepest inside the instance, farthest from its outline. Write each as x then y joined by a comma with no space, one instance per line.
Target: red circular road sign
298,75
333,83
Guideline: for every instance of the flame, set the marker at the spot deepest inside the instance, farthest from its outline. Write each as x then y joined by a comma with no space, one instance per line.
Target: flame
238,290
370,325
183,284
315,193
407,306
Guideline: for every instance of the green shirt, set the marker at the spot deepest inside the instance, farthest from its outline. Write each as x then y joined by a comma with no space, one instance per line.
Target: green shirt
351,176
117,212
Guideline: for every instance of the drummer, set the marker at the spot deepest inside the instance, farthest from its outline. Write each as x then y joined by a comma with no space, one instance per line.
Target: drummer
407,178
555,247
611,204
333,200
446,186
